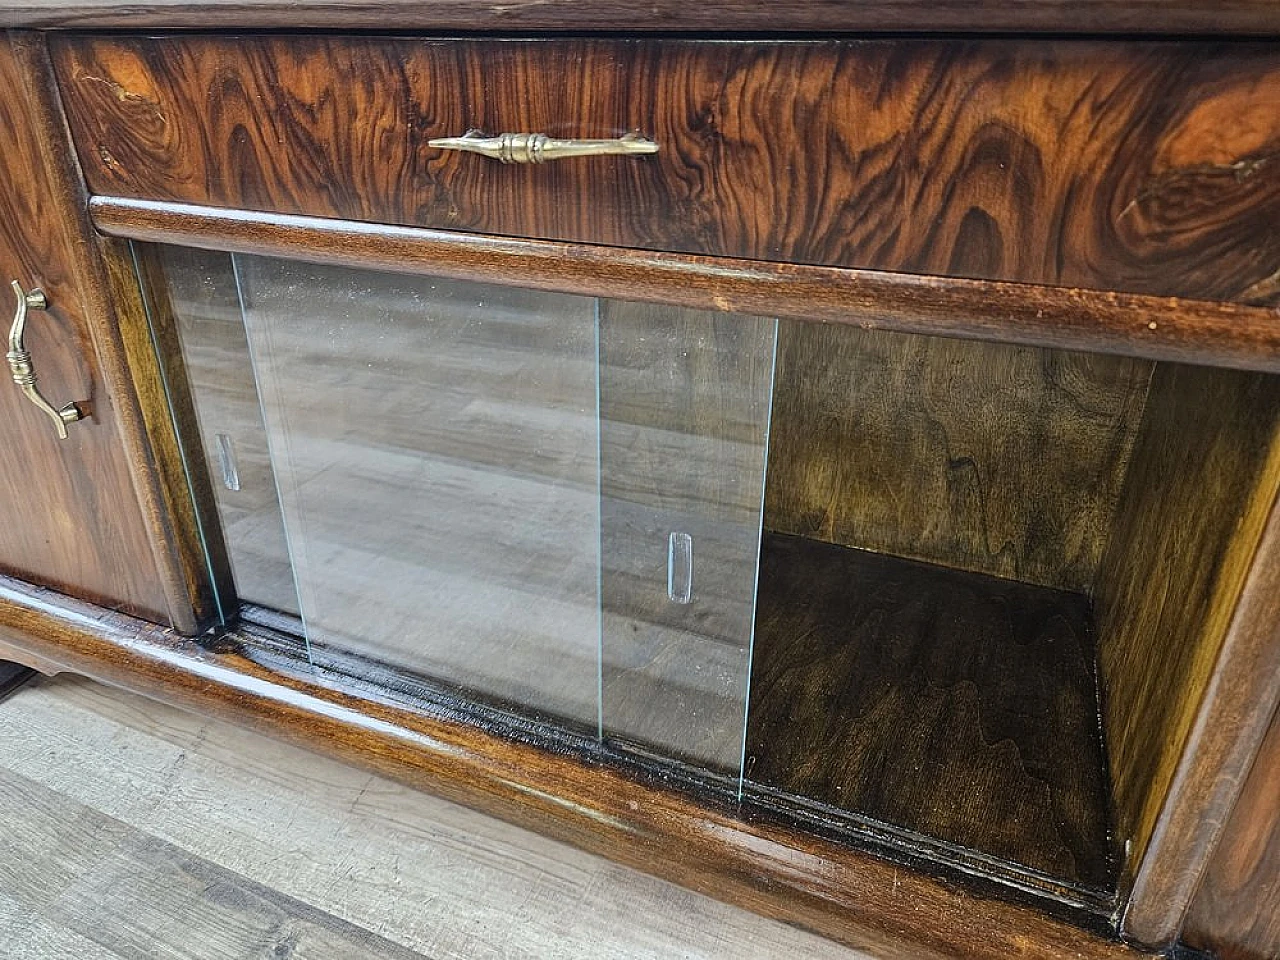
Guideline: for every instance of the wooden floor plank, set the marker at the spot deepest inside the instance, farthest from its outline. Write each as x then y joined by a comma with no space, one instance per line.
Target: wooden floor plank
135,895
32,937
420,873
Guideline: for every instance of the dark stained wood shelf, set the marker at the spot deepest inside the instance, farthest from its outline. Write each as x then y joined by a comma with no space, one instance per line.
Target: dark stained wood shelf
956,705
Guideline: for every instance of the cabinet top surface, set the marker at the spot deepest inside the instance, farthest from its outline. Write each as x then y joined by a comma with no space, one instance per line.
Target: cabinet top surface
1224,17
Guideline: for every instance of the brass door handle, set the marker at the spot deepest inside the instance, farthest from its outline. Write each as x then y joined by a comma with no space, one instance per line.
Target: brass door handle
539,148
24,373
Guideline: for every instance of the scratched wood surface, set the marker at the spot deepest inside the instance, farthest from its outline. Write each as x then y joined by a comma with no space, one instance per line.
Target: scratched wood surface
1137,166
998,459
135,829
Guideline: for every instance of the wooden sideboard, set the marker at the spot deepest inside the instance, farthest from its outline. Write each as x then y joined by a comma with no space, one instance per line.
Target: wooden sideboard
858,502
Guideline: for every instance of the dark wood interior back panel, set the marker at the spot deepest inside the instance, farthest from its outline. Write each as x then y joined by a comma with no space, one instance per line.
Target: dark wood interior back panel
988,457
69,513
1151,167
1236,912
1203,479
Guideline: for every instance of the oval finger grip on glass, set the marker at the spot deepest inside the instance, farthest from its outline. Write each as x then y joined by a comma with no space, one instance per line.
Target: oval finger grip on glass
24,371
680,568
539,148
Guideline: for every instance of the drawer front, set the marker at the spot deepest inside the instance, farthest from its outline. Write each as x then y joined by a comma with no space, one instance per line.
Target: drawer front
1150,167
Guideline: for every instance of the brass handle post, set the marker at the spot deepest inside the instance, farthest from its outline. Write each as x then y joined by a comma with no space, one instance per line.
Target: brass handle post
539,148
20,365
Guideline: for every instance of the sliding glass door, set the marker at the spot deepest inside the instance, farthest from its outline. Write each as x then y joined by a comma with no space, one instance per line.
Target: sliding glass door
550,503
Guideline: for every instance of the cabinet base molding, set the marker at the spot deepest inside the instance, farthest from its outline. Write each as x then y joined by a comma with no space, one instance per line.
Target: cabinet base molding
711,847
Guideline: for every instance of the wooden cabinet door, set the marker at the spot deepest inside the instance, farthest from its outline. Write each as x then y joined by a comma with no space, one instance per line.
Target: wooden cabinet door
70,517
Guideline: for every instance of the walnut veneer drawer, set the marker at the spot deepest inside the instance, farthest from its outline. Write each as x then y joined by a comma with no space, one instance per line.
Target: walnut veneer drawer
1151,167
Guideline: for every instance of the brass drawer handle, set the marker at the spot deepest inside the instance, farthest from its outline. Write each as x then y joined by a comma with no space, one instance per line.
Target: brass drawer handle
24,373
539,148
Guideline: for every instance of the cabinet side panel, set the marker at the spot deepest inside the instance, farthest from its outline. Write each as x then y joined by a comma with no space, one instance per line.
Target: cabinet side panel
1236,912
1203,478
71,517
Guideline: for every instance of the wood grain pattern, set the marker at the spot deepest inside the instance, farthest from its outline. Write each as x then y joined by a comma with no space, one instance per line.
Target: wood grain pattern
960,706
1204,475
1231,17
1229,726
1142,167
329,850
71,516
128,893
1236,911
829,887
117,320
1156,328
996,459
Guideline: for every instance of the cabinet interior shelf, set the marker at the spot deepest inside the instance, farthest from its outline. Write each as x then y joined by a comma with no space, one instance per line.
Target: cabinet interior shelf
955,705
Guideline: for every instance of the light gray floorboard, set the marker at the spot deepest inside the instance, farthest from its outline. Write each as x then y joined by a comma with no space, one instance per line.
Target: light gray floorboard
134,830
65,865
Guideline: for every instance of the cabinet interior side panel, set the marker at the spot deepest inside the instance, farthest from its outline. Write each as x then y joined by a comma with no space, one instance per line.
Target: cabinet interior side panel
985,457
1205,471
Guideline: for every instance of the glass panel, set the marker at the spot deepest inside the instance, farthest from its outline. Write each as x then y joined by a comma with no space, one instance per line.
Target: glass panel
684,404
551,501
436,448
203,298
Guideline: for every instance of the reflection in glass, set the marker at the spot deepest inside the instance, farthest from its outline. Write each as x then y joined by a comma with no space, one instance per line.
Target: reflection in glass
436,450
551,502
206,310
684,405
